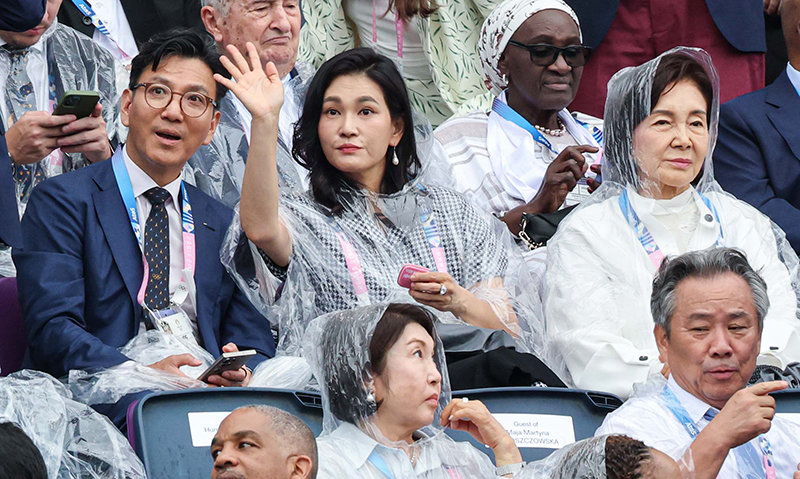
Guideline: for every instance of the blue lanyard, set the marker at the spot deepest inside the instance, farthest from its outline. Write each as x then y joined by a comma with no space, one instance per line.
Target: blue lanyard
380,464
126,190
680,413
87,11
511,115
643,233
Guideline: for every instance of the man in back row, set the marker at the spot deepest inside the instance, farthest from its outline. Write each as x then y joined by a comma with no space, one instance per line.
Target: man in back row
274,28
93,274
709,308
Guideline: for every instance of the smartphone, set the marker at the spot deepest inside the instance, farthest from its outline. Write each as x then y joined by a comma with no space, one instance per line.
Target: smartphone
404,279
227,362
77,102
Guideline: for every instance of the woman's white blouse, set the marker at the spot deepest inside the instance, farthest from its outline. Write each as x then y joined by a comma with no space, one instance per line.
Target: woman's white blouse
599,280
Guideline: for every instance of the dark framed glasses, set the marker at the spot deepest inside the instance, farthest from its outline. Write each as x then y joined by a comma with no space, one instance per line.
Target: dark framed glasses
544,55
193,104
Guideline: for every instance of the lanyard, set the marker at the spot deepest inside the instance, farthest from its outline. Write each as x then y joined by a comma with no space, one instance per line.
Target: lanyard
126,190
87,10
511,115
353,263
643,233
380,464
680,413
398,29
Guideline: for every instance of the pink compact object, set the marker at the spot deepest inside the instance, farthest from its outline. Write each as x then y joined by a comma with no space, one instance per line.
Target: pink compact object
404,279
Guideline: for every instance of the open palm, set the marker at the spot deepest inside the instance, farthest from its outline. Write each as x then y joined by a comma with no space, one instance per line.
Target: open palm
260,91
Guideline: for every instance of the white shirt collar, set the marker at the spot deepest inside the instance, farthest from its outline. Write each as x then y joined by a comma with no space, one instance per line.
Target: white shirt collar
794,77
141,181
694,406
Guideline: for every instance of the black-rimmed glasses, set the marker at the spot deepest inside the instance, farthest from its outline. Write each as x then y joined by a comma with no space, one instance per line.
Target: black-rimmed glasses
193,104
544,55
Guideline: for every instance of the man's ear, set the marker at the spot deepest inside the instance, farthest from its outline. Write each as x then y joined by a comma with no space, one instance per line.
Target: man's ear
300,467
211,21
214,123
125,107
662,341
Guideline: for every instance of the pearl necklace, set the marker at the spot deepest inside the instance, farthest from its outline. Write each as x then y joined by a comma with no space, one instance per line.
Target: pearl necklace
560,131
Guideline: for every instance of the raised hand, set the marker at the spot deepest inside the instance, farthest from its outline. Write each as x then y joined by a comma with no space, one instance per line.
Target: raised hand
260,91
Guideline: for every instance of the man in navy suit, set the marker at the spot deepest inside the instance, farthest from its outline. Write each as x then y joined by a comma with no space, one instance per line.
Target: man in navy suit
630,32
16,16
93,273
758,152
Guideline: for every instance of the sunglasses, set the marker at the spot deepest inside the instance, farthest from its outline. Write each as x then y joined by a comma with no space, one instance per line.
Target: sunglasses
544,55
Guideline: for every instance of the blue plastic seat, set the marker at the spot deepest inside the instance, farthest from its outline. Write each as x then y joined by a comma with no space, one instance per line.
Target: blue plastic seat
161,426
587,409
787,401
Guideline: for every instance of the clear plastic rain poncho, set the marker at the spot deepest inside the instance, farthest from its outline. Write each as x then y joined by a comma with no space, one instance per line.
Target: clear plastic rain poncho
599,274
107,386
652,413
586,459
75,441
218,168
74,63
424,224
351,444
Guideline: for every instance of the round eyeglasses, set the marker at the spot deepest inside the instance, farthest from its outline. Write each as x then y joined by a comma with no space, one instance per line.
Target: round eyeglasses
193,104
544,55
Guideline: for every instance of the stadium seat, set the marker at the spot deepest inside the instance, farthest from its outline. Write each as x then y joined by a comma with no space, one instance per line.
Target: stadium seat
173,430
12,330
541,419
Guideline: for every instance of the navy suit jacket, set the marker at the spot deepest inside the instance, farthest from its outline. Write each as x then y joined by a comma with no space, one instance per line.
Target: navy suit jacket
758,153
21,15
9,215
81,271
740,21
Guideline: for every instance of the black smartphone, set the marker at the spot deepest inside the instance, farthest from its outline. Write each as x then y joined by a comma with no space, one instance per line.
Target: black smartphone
77,102
227,362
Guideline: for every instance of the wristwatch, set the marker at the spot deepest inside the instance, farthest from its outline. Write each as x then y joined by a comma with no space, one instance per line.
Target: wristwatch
509,469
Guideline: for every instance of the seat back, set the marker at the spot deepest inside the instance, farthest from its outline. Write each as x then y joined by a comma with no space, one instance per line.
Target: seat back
12,329
541,420
173,430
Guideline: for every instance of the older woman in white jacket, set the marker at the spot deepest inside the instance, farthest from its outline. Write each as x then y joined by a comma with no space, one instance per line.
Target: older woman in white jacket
659,199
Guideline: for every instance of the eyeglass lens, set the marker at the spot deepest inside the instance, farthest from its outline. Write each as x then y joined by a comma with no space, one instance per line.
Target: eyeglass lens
192,104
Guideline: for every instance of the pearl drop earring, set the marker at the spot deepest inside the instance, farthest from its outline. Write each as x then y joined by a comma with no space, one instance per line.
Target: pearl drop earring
395,159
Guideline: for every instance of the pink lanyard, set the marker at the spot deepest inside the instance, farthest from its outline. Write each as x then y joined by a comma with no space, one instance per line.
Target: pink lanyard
398,27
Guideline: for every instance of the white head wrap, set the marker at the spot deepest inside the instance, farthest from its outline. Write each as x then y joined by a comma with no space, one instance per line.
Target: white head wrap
499,27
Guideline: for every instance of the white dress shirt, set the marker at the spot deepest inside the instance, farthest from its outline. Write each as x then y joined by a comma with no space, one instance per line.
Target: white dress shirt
794,77
121,43
141,182
289,114
648,419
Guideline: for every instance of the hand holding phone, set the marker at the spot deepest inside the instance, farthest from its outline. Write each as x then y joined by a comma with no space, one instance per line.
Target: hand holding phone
227,362
77,102
404,279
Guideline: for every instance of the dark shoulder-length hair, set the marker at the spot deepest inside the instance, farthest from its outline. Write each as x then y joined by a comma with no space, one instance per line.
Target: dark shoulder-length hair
329,186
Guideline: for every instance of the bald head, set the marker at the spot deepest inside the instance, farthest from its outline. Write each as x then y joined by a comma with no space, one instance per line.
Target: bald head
790,21
263,442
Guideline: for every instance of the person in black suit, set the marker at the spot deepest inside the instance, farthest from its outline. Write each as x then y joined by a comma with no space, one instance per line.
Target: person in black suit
630,32
15,16
758,152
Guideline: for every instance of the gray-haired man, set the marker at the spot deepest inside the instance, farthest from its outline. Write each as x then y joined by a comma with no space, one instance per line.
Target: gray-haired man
709,308
273,26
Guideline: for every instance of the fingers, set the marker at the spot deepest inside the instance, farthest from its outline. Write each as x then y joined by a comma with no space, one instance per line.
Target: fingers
186,359
98,110
760,389
46,120
431,277
272,72
232,69
230,348
238,60
226,82
228,379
